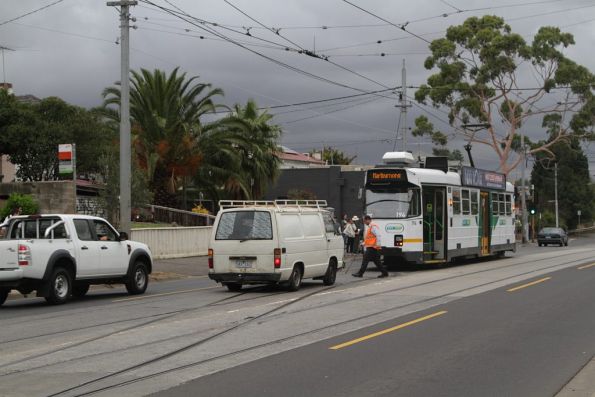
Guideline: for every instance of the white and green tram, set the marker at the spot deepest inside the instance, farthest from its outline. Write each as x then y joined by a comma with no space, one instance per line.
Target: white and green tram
432,215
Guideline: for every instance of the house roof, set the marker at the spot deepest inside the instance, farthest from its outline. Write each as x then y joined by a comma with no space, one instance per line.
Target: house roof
288,154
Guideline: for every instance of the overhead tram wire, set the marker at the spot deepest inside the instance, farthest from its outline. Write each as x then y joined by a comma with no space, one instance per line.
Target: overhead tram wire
402,26
353,26
30,12
365,101
185,17
307,52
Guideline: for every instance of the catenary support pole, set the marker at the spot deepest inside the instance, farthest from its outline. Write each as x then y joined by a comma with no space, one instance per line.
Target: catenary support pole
125,140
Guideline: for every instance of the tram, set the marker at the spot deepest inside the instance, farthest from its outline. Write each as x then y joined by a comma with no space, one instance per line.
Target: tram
432,215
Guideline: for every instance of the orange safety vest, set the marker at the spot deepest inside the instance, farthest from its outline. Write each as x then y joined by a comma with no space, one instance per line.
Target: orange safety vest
370,238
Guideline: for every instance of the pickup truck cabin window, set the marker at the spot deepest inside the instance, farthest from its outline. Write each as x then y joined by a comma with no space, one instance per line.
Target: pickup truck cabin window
104,232
82,230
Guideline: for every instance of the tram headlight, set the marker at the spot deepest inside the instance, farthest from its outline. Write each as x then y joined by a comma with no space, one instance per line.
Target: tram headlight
398,241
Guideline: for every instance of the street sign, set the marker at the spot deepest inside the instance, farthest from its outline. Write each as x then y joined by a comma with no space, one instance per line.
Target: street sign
66,158
578,212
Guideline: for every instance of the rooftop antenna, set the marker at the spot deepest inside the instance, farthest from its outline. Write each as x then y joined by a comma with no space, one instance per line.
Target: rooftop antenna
2,48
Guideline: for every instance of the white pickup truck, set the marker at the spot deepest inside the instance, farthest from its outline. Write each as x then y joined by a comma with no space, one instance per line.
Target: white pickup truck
61,255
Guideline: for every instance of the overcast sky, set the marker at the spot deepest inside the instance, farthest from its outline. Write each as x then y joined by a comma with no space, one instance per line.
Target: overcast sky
69,50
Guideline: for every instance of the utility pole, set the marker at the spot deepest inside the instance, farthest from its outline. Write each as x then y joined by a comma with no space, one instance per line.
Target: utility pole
2,48
525,220
556,191
403,105
125,140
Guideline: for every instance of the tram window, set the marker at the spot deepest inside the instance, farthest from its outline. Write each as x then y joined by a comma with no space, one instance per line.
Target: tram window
456,201
502,203
508,205
474,202
465,201
495,205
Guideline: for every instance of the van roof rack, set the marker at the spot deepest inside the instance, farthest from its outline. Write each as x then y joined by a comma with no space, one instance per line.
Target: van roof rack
276,203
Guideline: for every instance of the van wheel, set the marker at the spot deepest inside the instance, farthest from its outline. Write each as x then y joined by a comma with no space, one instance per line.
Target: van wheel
295,280
138,280
80,290
331,274
60,283
234,287
3,295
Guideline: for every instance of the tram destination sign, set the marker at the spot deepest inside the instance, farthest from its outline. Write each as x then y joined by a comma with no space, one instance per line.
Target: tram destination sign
481,178
386,176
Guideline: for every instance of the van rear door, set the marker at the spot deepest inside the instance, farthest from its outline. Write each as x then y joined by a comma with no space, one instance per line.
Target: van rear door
244,243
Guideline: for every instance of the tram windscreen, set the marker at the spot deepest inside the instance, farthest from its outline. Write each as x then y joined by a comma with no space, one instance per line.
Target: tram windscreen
393,202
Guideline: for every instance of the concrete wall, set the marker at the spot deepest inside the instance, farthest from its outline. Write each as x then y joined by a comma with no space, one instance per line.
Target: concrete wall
174,242
55,197
7,170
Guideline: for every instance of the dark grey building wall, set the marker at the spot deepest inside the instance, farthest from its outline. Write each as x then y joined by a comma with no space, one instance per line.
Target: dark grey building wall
340,189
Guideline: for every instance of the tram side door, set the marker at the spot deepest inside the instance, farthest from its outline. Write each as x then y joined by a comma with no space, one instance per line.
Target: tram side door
434,215
484,224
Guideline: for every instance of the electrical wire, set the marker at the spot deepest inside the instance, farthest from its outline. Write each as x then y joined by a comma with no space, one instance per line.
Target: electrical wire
189,18
30,12
364,102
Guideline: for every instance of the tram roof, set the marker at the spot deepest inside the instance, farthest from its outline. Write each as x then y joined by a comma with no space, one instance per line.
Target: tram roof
438,177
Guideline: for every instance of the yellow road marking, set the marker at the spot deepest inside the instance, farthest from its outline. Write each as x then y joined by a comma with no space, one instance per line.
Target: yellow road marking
528,284
386,331
586,266
163,294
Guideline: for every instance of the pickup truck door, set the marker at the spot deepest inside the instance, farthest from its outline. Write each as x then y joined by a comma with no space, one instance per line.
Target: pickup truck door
114,253
88,251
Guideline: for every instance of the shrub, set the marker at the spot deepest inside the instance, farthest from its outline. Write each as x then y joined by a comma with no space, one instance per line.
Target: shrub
26,202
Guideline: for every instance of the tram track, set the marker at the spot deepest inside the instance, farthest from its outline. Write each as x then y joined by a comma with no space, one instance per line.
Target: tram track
285,339
191,345
220,302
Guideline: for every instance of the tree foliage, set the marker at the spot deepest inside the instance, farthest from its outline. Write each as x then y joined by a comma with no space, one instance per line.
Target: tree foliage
175,144
479,65
334,156
575,192
25,202
30,134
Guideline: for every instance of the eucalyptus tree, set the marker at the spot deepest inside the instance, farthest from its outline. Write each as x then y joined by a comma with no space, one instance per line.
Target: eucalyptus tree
488,75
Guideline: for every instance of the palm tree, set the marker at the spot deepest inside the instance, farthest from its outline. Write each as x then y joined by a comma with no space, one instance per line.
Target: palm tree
166,113
259,161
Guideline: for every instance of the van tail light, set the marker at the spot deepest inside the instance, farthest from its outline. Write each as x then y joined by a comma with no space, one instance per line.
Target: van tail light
24,255
210,258
277,258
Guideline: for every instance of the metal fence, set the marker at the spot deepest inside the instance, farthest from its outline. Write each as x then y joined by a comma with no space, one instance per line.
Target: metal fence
179,217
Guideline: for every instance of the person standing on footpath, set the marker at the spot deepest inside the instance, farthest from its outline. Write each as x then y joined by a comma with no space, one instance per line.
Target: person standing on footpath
371,249
349,232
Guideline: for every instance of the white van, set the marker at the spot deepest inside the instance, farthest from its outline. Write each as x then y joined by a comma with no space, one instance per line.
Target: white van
271,242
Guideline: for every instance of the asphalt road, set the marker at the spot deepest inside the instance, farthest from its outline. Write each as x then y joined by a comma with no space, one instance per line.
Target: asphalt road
193,337
527,342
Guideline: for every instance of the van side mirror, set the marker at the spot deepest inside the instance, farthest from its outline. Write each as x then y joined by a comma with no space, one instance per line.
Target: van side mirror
123,236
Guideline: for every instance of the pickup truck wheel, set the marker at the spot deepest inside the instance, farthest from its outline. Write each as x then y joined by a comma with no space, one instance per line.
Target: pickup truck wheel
3,295
60,284
331,274
139,279
80,290
234,287
295,280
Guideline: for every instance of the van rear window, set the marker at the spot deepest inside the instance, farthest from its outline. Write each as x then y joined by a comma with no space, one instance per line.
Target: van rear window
245,225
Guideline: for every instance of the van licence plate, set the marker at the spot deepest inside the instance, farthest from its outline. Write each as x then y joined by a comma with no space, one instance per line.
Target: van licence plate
243,264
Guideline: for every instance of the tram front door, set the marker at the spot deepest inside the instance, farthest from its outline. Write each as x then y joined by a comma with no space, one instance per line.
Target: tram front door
484,224
434,215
